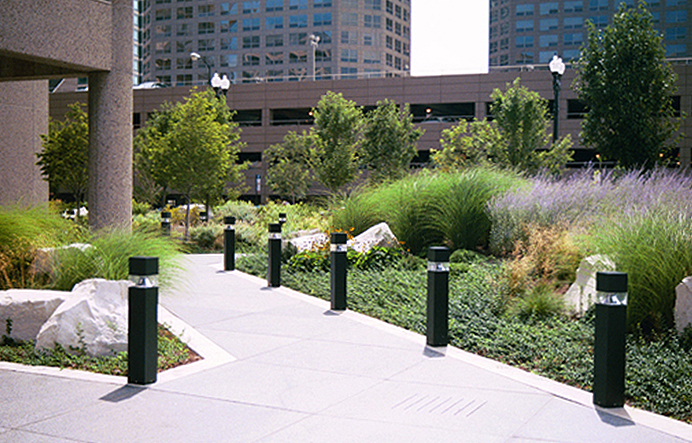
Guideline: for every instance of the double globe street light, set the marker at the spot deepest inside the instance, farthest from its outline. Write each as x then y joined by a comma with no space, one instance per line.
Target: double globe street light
220,84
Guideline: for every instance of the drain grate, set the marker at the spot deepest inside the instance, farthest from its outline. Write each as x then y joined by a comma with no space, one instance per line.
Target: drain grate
462,407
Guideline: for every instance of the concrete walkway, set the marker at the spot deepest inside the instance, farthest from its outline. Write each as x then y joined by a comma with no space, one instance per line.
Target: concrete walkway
281,367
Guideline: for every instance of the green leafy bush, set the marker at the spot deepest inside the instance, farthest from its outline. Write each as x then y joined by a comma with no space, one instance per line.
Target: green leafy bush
207,237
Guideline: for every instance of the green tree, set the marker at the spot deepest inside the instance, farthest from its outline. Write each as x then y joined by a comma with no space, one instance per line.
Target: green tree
65,155
517,138
336,138
627,85
192,147
389,141
289,165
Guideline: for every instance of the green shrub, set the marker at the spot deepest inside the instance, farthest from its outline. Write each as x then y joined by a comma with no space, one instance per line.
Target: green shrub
140,208
207,237
538,303
655,249
243,211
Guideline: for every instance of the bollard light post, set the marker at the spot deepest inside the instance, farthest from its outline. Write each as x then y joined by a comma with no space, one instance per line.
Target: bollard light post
274,271
282,218
203,216
166,222
338,270
438,296
142,336
609,346
229,244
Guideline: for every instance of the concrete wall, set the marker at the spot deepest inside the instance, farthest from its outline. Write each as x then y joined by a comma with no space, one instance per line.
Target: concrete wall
24,117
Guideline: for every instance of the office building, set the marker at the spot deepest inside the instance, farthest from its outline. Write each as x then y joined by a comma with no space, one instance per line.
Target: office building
271,40
530,32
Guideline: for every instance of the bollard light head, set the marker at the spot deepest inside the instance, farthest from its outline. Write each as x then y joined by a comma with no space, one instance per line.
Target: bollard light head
274,231
282,218
229,221
438,259
144,271
166,217
338,238
611,288
203,216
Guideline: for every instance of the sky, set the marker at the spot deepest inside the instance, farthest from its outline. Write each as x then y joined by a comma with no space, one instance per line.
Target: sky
449,37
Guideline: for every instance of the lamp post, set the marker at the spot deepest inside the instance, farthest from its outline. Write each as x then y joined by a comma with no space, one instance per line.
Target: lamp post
557,68
314,42
195,56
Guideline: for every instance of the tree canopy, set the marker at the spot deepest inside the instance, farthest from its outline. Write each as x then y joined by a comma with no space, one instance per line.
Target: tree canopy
517,138
289,165
627,86
389,141
65,155
192,147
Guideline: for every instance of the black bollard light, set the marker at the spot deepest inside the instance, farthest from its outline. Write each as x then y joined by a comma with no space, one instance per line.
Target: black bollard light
203,216
438,296
282,218
609,346
274,271
142,338
338,270
166,222
229,244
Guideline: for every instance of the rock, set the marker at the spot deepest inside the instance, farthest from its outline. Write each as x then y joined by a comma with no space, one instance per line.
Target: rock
582,293
28,309
379,235
308,240
94,317
683,304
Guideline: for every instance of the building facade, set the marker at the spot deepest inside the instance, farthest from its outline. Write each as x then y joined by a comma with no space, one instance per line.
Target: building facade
271,40
530,32
267,111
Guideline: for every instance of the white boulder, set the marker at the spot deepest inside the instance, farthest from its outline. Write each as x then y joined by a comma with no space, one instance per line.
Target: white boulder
582,293
379,235
94,318
308,240
683,304
28,310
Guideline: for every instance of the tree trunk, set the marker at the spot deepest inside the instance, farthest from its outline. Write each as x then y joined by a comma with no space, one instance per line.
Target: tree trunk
187,218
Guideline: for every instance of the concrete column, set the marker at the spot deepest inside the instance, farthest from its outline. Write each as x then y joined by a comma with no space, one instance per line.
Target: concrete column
110,129
24,117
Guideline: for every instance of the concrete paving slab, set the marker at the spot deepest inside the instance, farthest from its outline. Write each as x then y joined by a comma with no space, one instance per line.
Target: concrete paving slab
243,345
31,437
156,416
276,386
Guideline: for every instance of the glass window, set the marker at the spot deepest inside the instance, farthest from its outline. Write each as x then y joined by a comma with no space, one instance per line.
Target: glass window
298,56
397,11
163,64
182,29
228,8
545,56
163,30
251,24
523,10
352,4
323,3
368,39
275,22
524,25
504,44
163,14
656,17
323,55
389,42
397,28
274,58
252,41
275,75
205,28
325,36
229,43
251,60
183,80
349,55
184,46
397,46
349,19
574,6
676,33
205,10
598,5
524,41
375,5
575,39
574,22
348,72
676,50
206,44
570,54
372,21
323,19
275,5
275,40
599,21
228,26
298,4
298,21
251,7
679,16
163,47
547,24
371,58
349,37
547,41
676,2
184,13
389,59
298,38
389,24
523,58
229,60
549,8
390,7
183,63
